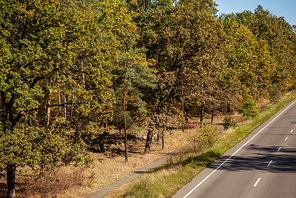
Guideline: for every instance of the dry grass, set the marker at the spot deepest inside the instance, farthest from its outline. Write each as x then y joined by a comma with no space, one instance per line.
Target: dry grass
171,176
109,167
106,168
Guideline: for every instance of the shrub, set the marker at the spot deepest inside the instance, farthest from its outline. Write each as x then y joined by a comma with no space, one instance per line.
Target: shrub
208,135
250,109
228,122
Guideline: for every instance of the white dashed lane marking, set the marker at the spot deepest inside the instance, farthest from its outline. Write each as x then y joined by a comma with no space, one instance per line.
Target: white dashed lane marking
257,182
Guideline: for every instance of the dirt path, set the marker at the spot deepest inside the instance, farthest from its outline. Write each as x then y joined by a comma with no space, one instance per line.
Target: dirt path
135,174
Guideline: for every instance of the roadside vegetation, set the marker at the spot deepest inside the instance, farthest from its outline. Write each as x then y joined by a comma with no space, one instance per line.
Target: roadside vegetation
167,179
86,81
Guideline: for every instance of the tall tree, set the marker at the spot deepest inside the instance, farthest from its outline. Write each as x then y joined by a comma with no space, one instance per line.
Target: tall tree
131,72
269,28
53,70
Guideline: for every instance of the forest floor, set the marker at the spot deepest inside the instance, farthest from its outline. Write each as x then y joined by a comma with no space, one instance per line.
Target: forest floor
107,167
110,166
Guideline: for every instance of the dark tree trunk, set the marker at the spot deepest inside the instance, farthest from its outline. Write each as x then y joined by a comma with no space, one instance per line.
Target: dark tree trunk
148,141
158,137
158,134
183,123
162,138
101,142
212,119
228,108
124,120
11,168
125,145
163,130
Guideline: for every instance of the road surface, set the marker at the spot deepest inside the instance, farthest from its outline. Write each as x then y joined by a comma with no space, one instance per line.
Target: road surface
262,165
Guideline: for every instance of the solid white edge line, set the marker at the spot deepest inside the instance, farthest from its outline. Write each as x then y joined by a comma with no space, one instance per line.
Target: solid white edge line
269,163
237,151
257,182
279,149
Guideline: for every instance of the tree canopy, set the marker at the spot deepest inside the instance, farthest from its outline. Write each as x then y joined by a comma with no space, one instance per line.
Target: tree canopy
68,68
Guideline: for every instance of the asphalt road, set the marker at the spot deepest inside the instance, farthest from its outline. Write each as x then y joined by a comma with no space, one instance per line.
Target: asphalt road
261,166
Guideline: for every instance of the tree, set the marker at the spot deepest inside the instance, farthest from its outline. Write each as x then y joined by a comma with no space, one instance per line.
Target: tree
131,72
249,58
277,35
53,72
132,77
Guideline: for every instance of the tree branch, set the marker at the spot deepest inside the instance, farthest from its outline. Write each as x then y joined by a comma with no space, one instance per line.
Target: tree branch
36,80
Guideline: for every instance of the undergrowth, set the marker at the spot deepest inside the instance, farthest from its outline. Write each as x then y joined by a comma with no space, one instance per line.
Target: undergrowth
167,179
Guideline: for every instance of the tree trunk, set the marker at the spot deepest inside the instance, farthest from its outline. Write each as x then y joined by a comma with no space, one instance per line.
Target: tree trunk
11,180
71,108
258,97
158,137
162,138
212,119
124,120
101,142
30,120
65,106
164,129
158,133
48,113
125,144
59,97
183,122
83,77
48,107
148,139
228,108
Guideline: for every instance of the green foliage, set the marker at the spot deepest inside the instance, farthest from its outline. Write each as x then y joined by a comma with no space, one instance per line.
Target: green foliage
208,136
54,79
186,167
228,122
132,77
274,93
68,67
250,109
35,146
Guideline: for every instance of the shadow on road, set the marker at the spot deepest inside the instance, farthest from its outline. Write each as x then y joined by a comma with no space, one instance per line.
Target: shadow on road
258,158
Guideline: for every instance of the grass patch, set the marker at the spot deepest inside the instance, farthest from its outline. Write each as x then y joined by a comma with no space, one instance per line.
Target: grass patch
167,179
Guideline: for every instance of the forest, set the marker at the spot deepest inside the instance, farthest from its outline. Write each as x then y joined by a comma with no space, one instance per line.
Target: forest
70,70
